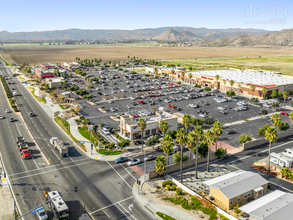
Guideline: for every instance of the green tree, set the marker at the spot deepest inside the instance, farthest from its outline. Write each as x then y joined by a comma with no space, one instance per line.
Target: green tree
198,137
172,72
160,165
276,120
56,72
291,118
236,209
190,77
156,69
190,143
270,135
264,91
181,138
252,87
183,74
177,157
70,75
164,126
283,126
209,120
197,121
275,104
167,146
280,93
244,138
274,93
262,131
209,139
285,95
231,83
286,172
142,126
217,130
186,121
217,79
221,152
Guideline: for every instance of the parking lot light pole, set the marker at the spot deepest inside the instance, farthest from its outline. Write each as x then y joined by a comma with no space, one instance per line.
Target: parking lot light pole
144,166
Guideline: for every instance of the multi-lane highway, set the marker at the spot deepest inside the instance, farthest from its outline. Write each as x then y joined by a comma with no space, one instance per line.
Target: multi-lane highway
104,188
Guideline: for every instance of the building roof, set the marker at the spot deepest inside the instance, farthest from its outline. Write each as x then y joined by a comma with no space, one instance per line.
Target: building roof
272,206
236,183
161,116
259,78
47,65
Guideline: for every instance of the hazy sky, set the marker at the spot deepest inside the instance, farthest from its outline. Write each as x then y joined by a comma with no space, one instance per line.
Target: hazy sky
40,15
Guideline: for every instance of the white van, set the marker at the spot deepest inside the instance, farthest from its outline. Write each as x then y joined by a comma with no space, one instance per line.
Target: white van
14,93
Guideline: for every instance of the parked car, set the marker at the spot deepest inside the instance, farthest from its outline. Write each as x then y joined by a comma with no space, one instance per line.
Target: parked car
141,102
138,142
149,157
230,132
202,115
284,113
133,162
121,159
42,215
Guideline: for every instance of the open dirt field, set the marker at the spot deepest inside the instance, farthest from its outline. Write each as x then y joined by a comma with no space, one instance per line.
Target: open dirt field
64,53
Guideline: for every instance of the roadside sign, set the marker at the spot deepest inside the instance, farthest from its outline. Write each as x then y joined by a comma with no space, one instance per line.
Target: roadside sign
33,212
81,143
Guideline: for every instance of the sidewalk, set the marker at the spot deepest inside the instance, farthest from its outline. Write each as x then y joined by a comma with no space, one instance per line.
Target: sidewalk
156,207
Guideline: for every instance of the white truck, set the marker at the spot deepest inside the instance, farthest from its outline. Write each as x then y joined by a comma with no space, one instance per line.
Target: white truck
14,93
60,146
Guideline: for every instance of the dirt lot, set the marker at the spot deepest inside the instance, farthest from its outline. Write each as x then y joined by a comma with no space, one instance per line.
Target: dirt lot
63,53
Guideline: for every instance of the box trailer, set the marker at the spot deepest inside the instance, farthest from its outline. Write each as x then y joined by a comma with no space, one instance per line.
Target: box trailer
281,160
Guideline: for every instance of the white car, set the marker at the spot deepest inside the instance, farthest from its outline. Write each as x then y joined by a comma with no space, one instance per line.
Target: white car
1,117
132,98
202,115
110,101
221,108
167,100
7,110
106,131
133,162
192,105
42,215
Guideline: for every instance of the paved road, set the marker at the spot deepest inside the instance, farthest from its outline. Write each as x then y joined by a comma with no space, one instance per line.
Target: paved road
103,188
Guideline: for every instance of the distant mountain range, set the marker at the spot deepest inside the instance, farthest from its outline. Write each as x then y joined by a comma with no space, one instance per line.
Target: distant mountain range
171,34
280,38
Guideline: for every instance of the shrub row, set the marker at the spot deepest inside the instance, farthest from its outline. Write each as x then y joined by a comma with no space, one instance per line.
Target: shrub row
9,95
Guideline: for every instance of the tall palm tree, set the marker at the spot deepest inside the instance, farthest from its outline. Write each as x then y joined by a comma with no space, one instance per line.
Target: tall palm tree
276,120
252,87
190,143
264,91
270,135
142,126
198,136
231,83
167,146
155,70
183,74
225,82
186,121
160,165
190,76
164,126
291,118
285,95
209,139
217,79
181,138
172,71
218,130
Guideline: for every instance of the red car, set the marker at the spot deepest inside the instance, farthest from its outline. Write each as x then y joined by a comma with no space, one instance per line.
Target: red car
153,96
284,113
141,102
136,116
171,84
176,86
151,89
172,106
160,87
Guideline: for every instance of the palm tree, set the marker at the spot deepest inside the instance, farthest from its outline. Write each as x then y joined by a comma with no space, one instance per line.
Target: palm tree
264,91
183,74
198,136
252,87
172,71
167,146
209,139
231,83
164,126
291,118
142,126
190,143
225,82
190,76
128,57
285,172
218,130
61,83
155,70
186,121
276,120
285,95
217,79
160,165
270,135
181,138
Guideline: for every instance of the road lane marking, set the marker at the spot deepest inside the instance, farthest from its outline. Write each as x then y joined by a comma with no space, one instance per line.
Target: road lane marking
70,158
128,172
122,211
127,211
23,164
57,156
34,161
106,213
111,205
49,171
119,175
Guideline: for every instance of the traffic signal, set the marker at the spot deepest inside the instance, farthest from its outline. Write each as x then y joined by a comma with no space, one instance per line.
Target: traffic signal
75,189
138,182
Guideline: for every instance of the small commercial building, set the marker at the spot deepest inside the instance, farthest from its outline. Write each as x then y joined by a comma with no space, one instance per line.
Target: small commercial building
129,128
238,187
273,206
70,66
47,66
165,71
55,82
43,74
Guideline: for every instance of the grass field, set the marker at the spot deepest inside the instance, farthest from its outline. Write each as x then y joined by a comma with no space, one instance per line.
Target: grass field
41,100
278,64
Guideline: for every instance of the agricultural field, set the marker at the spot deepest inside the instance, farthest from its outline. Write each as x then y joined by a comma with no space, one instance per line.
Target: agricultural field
272,58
